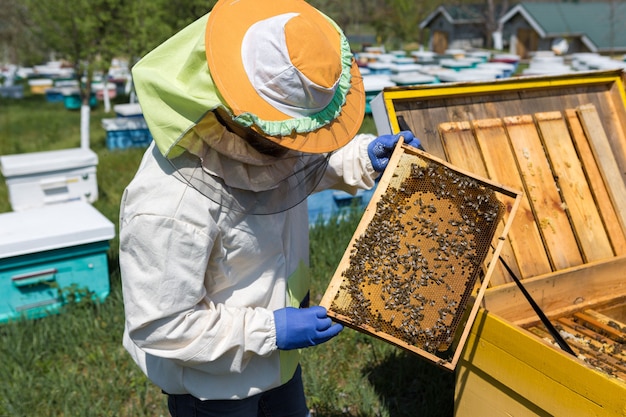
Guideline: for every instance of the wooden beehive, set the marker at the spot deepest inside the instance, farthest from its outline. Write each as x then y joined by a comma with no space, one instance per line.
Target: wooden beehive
561,139
411,272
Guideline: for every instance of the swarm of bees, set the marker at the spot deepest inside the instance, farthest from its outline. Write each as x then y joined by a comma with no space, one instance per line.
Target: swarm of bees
413,269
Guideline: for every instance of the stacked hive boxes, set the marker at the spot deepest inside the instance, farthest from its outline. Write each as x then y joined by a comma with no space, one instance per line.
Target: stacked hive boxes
53,245
128,129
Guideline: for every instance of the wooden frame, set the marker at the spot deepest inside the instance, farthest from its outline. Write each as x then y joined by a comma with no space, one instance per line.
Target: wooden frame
464,306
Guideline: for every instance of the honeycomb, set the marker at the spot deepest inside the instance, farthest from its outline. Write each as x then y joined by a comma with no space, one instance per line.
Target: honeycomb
413,269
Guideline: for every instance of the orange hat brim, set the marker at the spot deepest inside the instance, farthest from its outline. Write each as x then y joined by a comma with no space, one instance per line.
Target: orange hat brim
226,27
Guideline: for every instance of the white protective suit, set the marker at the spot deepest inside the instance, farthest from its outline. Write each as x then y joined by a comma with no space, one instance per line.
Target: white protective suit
201,283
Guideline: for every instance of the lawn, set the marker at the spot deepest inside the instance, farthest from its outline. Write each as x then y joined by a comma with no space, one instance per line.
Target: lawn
73,364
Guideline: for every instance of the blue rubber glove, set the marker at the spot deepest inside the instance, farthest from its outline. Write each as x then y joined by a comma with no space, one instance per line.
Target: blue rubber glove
381,148
303,327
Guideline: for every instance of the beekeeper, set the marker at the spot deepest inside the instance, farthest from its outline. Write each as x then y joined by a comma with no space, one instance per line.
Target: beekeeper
252,108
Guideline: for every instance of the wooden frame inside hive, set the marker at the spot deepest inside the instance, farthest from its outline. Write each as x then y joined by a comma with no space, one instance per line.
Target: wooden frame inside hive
412,268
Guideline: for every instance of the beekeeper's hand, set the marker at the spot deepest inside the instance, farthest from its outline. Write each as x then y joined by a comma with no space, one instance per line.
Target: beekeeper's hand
381,148
303,327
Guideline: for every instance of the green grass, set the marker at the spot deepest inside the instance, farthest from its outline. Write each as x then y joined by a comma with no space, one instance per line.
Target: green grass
73,364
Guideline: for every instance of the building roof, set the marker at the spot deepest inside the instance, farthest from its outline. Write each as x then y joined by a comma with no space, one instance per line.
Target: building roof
469,13
599,25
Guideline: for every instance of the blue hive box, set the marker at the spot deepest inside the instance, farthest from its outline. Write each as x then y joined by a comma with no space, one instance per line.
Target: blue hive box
73,101
54,95
12,91
48,253
126,132
323,205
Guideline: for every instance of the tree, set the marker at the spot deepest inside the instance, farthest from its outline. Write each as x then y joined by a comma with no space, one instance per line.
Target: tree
89,33
493,12
406,16
16,44
178,14
394,21
79,31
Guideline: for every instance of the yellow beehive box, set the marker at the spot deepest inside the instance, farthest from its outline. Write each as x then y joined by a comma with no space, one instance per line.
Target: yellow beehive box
40,85
560,139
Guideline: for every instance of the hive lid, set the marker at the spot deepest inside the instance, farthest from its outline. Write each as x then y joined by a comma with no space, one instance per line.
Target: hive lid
48,161
124,123
52,227
128,109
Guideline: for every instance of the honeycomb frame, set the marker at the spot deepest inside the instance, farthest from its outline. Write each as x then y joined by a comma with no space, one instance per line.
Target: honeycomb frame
414,273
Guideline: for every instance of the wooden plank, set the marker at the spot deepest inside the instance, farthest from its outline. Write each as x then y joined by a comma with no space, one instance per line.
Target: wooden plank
463,151
612,115
610,321
543,193
597,340
424,124
615,329
589,352
596,183
616,96
561,292
600,351
524,235
572,183
617,311
461,148
425,130
588,318
606,160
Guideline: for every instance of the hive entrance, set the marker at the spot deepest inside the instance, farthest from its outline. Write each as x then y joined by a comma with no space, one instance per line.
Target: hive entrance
414,262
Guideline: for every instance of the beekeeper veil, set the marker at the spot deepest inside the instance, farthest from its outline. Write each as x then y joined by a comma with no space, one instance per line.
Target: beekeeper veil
249,101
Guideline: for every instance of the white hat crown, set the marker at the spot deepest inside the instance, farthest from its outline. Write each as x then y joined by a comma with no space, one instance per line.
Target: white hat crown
273,74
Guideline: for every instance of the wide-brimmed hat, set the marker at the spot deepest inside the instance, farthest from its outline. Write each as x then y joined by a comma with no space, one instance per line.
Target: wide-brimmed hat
284,69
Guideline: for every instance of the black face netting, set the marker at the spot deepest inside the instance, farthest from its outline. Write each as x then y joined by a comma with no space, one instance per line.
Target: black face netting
288,182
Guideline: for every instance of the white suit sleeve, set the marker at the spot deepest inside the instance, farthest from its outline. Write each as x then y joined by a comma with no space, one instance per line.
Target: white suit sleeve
163,261
350,168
